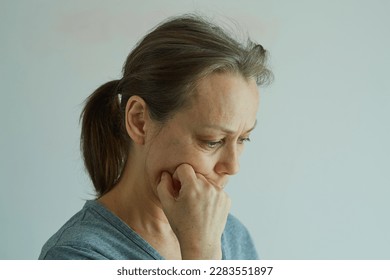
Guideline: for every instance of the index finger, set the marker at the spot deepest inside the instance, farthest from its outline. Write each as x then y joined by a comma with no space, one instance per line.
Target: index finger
185,174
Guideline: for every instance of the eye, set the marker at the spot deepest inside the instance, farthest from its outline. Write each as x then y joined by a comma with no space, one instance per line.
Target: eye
214,144
242,140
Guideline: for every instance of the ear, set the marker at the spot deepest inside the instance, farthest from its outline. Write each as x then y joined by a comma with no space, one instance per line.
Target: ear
137,118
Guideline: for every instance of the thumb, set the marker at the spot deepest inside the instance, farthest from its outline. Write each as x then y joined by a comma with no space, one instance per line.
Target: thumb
165,189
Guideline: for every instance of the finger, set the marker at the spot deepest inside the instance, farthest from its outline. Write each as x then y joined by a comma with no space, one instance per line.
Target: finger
185,174
164,189
185,178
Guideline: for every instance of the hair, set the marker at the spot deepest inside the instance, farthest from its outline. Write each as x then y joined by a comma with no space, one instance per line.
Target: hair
163,69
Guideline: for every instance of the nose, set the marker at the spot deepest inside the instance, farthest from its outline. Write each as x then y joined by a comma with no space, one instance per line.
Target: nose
228,163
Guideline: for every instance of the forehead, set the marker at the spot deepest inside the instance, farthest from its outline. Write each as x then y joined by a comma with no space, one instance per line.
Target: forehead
225,97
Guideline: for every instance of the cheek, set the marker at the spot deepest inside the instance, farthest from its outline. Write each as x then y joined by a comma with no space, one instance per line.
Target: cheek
201,163
166,154
172,157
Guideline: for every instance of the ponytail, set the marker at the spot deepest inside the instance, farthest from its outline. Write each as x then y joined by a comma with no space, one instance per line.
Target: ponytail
103,143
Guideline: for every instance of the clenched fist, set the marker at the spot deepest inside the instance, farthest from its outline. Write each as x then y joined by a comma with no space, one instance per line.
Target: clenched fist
196,210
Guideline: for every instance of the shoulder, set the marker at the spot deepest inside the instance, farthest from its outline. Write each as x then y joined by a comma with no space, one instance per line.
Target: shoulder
237,242
94,233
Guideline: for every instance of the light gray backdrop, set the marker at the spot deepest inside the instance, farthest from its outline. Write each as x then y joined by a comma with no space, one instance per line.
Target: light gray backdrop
314,182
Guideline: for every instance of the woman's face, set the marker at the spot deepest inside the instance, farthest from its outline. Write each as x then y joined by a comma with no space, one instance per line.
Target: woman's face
210,134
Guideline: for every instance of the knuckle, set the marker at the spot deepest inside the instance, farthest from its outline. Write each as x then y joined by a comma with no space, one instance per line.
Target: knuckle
185,167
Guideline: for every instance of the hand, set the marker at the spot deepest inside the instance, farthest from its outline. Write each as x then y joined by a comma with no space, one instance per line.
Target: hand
197,212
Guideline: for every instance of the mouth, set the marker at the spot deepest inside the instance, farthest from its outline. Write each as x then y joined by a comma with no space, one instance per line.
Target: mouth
220,184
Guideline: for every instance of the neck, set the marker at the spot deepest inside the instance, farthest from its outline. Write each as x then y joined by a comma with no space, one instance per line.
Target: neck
135,202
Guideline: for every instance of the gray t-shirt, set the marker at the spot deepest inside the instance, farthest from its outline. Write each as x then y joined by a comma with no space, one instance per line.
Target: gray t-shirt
96,233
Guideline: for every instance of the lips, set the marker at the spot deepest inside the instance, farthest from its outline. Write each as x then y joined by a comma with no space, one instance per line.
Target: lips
220,184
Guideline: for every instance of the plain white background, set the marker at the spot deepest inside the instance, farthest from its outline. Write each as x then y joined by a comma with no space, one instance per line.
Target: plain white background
314,181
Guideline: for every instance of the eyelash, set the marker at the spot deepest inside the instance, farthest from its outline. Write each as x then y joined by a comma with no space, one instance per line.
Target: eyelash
215,144
243,140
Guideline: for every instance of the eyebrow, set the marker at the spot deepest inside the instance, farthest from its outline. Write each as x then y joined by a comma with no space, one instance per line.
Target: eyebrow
227,130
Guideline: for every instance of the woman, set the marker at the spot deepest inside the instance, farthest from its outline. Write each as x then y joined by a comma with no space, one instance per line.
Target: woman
159,146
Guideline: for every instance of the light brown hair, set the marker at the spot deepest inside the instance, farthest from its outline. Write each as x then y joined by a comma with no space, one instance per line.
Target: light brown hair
163,69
